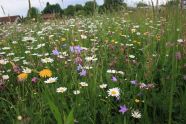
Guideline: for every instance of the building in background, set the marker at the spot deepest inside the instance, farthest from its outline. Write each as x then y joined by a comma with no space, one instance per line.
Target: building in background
10,19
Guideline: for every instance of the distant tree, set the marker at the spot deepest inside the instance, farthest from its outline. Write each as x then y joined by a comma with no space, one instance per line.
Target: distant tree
173,3
78,7
90,7
52,8
33,12
141,4
113,5
70,10
101,9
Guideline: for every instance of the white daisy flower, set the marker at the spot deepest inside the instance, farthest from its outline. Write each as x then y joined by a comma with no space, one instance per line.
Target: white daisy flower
83,84
6,48
136,114
26,52
133,30
120,72
111,71
87,67
131,56
92,58
19,117
180,40
27,70
114,92
61,89
47,60
51,80
3,62
5,77
83,37
103,86
76,92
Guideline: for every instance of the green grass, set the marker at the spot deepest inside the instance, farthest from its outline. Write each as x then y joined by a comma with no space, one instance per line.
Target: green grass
116,36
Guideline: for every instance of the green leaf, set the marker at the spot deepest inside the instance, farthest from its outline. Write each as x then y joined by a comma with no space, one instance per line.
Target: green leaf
70,118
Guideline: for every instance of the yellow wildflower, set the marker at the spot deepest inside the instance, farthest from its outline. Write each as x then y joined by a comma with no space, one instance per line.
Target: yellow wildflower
45,73
22,76
63,39
137,100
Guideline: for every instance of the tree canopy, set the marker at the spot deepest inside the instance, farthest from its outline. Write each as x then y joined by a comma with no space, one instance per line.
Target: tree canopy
88,9
114,4
52,8
141,4
33,13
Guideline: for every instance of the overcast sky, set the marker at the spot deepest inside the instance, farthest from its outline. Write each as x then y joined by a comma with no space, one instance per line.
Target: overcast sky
20,7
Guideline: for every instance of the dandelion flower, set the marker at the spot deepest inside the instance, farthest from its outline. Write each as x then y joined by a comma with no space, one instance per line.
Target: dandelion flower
45,73
22,76
114,92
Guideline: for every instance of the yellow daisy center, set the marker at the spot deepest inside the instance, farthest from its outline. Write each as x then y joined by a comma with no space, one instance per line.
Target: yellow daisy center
114,92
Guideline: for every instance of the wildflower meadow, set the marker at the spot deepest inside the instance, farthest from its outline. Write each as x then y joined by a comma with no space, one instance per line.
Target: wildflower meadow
125,67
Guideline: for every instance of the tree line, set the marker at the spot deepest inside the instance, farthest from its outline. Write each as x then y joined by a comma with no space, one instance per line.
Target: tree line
89,8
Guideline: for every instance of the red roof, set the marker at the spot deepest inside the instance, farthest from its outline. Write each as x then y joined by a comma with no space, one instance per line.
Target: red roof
9,19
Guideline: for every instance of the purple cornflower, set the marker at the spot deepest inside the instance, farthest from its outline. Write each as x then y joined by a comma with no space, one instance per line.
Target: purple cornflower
34,80
78,60
76,49
114,79
134,82
79,67
123,109
55,52
83,72
17,69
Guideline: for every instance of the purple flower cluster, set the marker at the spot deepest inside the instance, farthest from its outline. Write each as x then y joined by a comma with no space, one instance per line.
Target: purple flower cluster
55,52
76,49
123,109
